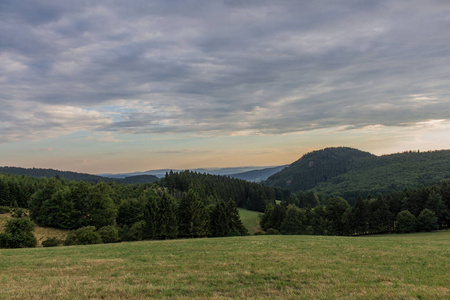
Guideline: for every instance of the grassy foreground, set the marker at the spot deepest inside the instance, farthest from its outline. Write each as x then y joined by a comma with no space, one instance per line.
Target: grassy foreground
288,267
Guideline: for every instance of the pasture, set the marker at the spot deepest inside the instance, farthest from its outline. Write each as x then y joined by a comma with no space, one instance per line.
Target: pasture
409,266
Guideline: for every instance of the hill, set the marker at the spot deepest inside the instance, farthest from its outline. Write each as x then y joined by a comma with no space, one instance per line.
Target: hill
350,172
389,173
48,173
315,167
409,266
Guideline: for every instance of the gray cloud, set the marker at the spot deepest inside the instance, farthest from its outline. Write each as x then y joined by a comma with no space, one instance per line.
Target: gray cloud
210,67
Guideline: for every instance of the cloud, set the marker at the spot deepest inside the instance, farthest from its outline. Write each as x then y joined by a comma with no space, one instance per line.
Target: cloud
220,67
35,121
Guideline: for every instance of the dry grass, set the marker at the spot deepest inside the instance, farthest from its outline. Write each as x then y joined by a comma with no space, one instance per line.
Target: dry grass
282,267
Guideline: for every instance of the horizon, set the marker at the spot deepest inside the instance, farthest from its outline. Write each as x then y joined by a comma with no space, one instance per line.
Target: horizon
212,168
121,87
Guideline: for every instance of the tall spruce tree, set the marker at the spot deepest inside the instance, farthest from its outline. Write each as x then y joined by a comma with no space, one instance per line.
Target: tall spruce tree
219,221
193,219
167,225
237,227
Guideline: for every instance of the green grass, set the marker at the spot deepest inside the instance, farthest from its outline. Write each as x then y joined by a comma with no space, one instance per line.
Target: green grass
407,266
250,219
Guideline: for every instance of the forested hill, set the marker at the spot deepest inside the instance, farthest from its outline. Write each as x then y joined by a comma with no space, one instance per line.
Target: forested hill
48,173
349,172
316,167
389,173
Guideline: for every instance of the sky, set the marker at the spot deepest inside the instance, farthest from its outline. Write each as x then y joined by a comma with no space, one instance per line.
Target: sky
124,86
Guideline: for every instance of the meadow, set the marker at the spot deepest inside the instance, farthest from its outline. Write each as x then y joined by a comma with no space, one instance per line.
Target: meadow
408,266
250,219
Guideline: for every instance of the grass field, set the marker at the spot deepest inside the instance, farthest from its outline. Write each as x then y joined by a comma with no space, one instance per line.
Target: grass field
410,266
250,219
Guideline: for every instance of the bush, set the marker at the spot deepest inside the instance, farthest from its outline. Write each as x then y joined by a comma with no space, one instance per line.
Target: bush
18,234
83,236
272,231
18,212
4,240
109,234
5,210
52,242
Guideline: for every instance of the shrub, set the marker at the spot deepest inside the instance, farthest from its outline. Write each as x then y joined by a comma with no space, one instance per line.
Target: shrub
109,234
52,242
18,234
272,231
18,212
83,236
5,210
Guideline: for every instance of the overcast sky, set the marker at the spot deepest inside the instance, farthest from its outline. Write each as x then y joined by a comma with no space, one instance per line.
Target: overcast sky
121,86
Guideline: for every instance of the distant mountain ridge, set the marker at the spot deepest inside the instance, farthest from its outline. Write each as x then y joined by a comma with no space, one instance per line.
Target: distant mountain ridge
258,175
255,174
47,173
232,172
349,172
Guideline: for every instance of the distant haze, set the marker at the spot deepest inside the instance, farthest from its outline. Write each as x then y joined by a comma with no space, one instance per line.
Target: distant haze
130,86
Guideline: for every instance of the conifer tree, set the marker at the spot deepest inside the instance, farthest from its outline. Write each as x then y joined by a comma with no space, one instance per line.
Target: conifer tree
192,216
150,217
167,225
237,227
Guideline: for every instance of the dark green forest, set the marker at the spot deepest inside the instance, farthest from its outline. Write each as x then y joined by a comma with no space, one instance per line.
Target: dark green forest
350,173
129,212
421,209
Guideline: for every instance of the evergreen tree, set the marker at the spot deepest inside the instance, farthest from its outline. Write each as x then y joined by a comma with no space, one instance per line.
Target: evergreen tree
219,221
237,227
150,217
167,225
130,211
192,216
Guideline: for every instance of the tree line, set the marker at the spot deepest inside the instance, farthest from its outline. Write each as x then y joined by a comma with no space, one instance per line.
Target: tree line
126,212
410,210
245,194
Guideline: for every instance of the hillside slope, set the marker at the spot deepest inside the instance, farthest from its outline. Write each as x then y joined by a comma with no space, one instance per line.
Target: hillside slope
316,167
349,172
389,173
